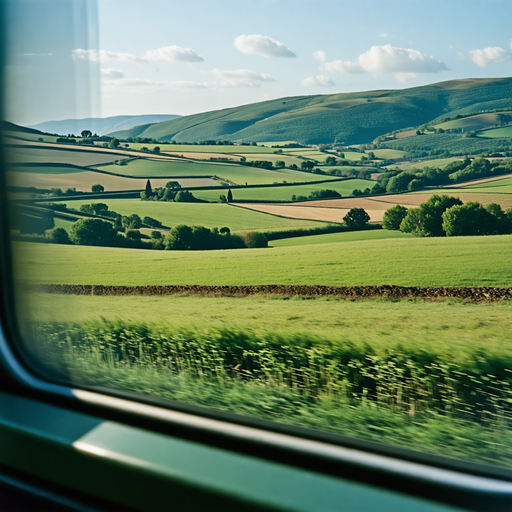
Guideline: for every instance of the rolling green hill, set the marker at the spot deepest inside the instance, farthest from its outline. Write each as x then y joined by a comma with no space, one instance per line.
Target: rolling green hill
342,118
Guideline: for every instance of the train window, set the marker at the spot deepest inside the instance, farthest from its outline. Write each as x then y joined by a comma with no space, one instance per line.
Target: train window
290,214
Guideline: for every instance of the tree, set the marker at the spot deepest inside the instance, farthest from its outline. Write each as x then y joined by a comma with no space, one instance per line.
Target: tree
134,234
330,160
412,222
149,190
184,196
323,194
58,236
432,212
468,219
394,216
279,164
149,221
502,222
156,235
114,143
132,221
230,196
156,150
86,134
223,198
97,189
364,174
356,218
254,240
93,232
179,238
225,230
118,223
173,185
307,165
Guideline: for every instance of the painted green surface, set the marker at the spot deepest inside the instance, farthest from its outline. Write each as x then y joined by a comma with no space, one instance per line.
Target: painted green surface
351,236
457,261
200,214
344,188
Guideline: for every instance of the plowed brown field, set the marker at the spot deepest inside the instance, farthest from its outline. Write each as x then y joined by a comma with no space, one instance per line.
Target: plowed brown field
475,294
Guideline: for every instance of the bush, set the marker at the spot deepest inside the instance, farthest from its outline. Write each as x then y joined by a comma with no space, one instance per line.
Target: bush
254,239
134,234
393,217
153,223
324,194
184,196
58,236
94,232
156,235
356,218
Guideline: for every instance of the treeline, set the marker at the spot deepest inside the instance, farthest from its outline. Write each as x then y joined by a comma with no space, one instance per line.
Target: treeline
455,172
171,192
448,216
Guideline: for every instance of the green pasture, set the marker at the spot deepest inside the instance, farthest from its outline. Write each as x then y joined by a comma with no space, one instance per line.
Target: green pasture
201,148
312,154
344,187
238,174
29,154
200,214
476,122
47,169
420,164
454,261
18,137
350,236
495,186
287,159
63,223
496,133
447,327
389,153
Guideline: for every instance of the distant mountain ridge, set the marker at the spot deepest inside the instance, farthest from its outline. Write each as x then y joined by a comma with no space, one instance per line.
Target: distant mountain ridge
347,118
100,125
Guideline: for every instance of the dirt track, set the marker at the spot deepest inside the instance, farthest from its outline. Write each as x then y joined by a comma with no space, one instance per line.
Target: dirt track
474,294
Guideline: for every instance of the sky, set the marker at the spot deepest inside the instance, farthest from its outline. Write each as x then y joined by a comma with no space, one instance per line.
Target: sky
87,58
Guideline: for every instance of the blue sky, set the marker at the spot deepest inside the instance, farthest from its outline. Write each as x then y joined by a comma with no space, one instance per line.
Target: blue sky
173,57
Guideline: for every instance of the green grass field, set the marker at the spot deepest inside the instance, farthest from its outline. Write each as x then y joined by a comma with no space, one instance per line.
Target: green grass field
496,133
457,261
50,169
287,159
76,157
201,148
477,122
389,153
201,214
236,173
445,327
435,162
345,188
351,236
493,185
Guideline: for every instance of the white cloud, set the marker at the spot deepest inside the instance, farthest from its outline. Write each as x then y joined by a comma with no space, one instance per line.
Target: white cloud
318,81
382,35
459,56
320,55
489,55
111,74
406,77
262,45
241,78
106,56
404,62
174,53
221,80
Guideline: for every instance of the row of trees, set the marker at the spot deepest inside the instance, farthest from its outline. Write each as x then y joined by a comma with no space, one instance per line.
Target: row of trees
171,192
448,216
455,172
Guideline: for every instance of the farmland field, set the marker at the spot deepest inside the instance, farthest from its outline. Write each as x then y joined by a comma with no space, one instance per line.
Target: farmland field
477,122
496,132
46,169
351,236
84,180
208,215
435,162
380,323
453,261
287,159
236,173
499,183
29,154
344,188
389,153
201,148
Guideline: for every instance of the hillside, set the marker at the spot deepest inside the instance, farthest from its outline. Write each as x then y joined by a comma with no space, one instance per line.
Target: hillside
347,118
100,125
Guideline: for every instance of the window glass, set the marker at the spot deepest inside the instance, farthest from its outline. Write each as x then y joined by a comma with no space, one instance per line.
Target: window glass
297,211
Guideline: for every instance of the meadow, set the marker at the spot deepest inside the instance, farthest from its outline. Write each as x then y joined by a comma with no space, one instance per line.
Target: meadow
200,148
503,183
199,214
456,261
495,133
350,236
477,122
344,188
85,158
388,153
235,173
